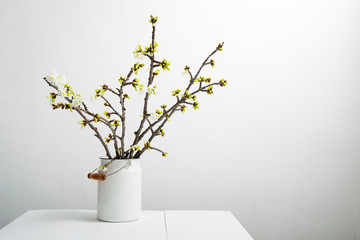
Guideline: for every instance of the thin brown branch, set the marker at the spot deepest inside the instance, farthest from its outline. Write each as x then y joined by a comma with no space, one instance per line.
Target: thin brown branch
189,103
128,76
152,131
113,91
191,76
110,106
157,149
205,61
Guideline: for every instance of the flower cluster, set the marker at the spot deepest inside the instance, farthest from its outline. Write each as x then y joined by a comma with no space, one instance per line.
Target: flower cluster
58,80
64,90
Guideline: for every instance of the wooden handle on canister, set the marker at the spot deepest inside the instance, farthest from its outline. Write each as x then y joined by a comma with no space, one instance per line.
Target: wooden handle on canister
97,176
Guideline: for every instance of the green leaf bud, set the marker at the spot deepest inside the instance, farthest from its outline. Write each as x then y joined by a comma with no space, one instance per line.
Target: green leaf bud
104,87
201,79
107,114
223,83
210,90
97,118
196,105
153,19
109,138
137,66
176,92
126,96
116,123
135,83
121,79
52,96
83,123
147,145
138,50
156,72
165,64
162,132
186,95
186,68
182,108
152,90
134,148
220,46
151,49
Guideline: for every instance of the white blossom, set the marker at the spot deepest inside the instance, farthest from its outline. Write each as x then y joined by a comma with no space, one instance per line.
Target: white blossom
154,116
77,100
62,79
93,97
58,80
62,91
139,56
150,88
52,76
142,90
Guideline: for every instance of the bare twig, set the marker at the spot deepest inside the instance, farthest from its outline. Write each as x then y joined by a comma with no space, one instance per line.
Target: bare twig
110,106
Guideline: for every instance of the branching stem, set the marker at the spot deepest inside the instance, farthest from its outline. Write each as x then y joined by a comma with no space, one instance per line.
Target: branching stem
155,127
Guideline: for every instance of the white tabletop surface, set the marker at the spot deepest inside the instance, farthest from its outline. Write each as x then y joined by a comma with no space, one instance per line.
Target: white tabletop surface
153,225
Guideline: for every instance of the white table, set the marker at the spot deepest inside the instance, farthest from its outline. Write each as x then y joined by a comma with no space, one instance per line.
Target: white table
153,225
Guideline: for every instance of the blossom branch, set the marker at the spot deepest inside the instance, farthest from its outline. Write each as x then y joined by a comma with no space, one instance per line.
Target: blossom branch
97,133
179,101
146,99
113,91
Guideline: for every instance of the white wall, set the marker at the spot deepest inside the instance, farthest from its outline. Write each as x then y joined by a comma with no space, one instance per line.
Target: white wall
279,147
